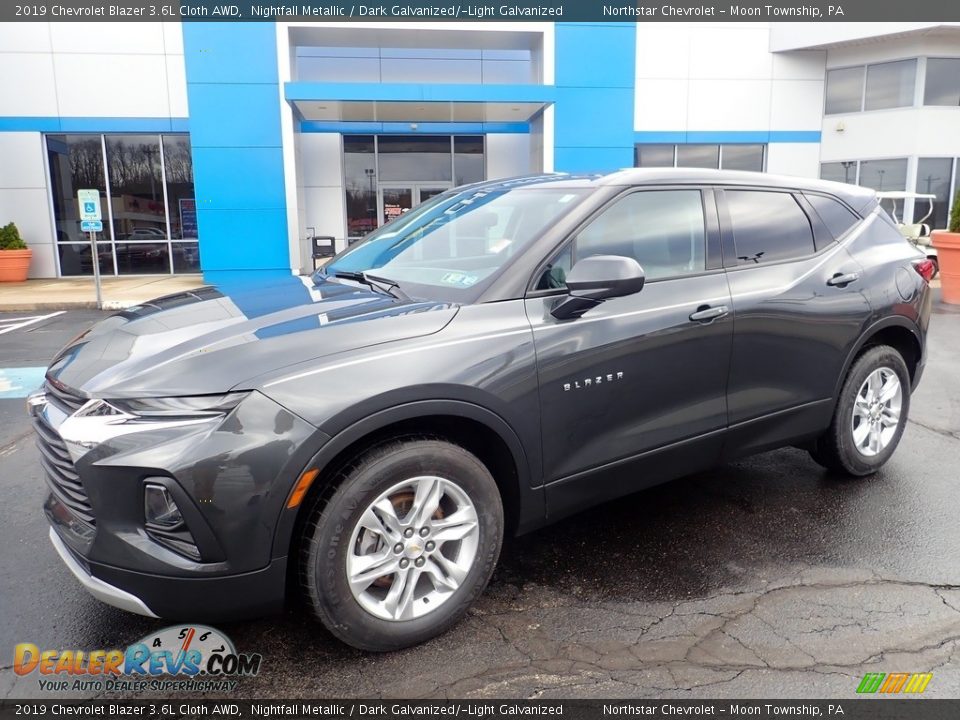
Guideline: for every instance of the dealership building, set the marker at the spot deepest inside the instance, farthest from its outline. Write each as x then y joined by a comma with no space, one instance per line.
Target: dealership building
223,147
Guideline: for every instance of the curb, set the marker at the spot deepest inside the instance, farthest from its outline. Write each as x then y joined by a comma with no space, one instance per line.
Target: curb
108,305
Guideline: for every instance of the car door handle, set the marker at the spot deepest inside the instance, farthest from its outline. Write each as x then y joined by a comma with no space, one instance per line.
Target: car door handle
843,279
706,314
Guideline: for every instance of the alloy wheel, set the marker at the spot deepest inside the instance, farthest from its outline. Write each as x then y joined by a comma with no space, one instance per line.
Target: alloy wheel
876,411
412,548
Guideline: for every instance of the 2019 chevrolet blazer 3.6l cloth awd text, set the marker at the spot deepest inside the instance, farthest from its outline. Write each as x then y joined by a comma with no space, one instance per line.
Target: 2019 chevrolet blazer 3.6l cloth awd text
497,358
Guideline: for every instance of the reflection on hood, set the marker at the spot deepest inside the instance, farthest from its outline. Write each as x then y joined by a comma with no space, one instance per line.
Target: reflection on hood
190,342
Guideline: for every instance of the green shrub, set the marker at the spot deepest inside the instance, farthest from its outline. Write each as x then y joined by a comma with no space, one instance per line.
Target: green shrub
10,238
955,214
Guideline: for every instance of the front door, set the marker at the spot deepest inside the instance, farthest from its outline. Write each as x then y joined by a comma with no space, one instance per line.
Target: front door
394,199
635,387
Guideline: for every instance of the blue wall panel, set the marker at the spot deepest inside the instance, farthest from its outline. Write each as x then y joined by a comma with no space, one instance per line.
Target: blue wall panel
242,115
264,189
53,124
234,97
594,75
254,235
230,53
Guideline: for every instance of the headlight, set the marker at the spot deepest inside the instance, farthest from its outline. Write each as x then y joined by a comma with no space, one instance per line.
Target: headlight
180,407
101,420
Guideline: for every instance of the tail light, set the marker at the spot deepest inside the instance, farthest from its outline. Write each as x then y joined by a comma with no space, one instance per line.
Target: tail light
925,268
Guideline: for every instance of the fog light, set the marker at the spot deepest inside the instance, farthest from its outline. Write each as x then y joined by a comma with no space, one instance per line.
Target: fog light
160,509
165,523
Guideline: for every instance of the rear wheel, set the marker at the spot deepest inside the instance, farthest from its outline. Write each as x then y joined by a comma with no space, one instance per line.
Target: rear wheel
870,415
405,543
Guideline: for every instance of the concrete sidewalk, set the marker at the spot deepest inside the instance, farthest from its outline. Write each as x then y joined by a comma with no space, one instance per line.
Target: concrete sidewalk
71,293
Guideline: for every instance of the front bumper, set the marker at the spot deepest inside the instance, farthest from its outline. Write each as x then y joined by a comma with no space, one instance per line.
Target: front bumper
221,598
230,477
101,590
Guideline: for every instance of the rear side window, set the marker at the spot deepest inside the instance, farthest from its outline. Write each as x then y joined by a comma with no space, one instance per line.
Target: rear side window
768,226
834,215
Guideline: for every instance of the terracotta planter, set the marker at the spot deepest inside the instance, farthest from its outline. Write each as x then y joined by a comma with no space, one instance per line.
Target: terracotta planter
14,265
948,256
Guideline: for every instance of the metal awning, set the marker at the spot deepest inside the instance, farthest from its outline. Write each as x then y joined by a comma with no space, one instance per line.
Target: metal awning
373,102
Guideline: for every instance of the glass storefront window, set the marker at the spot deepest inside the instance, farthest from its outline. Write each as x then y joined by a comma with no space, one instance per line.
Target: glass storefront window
844,90
373,163
136,187
890,85
75,258
181,203
884,174
140,258
653,156
698,156
178,164
360,184
76,163
429,65
728,157
845,172
414,157
468,159
943,82
150,202
742,157
933,178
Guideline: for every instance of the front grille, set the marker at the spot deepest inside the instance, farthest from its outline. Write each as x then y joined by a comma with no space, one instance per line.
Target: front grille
66,399
60,472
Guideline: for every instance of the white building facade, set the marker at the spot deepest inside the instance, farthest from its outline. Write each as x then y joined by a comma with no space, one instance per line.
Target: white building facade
222,147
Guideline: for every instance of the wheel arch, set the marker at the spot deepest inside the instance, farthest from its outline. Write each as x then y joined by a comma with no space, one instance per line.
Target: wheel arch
479,430
898,332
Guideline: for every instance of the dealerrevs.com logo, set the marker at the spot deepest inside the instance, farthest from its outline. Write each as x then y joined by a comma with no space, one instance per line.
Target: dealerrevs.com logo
181,657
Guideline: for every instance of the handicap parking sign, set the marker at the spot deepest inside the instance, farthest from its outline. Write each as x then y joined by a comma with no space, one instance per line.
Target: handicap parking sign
89,201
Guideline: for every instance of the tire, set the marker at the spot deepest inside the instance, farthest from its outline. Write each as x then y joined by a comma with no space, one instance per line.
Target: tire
844,450
345,535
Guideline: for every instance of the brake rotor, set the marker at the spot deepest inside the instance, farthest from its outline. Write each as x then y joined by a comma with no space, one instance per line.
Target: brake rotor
402,503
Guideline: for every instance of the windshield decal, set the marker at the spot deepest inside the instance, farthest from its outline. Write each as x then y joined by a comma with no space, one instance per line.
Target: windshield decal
460,279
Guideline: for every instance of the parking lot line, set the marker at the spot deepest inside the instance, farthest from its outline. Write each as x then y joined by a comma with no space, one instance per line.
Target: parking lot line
18,323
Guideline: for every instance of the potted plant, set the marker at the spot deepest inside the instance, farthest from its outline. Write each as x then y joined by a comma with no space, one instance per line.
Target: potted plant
14,255
947,243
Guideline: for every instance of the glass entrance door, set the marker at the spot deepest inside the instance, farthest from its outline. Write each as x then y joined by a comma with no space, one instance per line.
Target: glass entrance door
394,199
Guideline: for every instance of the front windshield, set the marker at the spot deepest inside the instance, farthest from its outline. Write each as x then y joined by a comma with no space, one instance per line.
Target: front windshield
452,246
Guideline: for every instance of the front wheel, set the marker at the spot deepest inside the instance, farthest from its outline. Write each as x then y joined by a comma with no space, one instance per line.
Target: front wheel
403,545
870,416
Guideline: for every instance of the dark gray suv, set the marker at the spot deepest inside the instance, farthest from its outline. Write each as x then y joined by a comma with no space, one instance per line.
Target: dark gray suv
506,354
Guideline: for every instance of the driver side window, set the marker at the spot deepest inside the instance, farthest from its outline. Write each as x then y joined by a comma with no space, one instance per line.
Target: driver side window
663,230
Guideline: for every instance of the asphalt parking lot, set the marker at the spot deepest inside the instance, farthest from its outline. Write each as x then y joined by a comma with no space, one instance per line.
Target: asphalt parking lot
762,578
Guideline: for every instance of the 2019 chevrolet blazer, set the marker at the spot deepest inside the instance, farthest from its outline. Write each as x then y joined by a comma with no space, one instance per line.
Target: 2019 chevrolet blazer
501,356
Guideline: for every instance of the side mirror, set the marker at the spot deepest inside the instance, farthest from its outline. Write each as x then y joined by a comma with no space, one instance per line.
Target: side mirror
598,278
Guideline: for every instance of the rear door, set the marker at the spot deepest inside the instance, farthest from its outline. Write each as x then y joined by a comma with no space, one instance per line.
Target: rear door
797,308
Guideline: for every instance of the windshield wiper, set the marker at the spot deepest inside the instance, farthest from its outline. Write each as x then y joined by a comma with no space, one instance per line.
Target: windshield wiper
384,285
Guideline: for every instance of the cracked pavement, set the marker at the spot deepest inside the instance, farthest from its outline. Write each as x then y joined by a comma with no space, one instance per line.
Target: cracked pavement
762,578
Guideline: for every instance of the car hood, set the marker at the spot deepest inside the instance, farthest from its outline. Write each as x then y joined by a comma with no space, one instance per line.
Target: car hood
216,338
